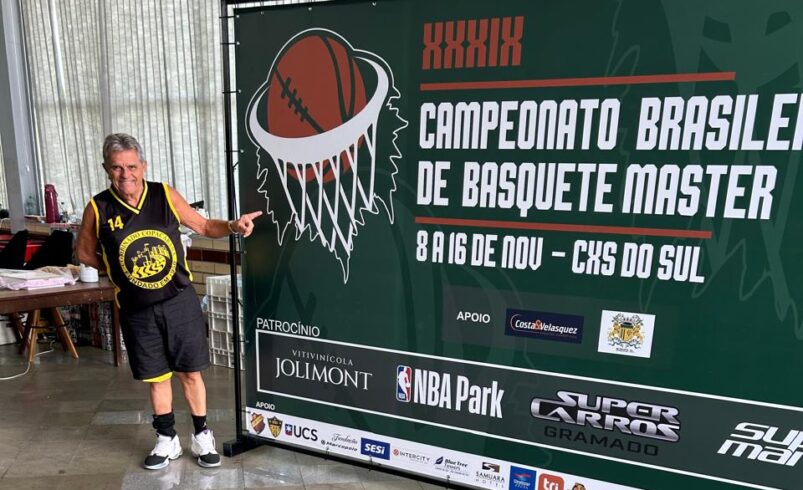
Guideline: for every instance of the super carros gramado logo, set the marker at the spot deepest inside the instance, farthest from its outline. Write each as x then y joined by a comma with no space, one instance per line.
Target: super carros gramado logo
321,367
436,389
148,259
764,443
572,412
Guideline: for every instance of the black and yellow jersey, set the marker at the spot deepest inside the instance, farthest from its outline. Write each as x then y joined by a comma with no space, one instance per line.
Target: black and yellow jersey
141,246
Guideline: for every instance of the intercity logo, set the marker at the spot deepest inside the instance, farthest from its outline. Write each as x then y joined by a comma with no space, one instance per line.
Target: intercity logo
435,389
376,449
299,432
550,482
522,478
544,325
411,456
403,375
762,443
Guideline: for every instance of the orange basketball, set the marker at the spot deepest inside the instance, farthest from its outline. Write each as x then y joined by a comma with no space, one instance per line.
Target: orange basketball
315,86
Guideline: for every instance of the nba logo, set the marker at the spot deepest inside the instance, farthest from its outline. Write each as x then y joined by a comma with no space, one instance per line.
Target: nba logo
403,374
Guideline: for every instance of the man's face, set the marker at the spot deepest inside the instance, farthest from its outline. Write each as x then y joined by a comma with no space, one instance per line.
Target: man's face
126,172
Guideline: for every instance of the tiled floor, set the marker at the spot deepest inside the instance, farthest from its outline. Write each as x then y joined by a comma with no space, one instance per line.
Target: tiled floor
85,424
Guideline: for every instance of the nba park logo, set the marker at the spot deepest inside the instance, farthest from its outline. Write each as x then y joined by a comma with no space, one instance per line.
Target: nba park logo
325,124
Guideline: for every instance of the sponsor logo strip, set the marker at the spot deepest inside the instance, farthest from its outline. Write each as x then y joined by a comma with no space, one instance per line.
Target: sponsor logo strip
414,457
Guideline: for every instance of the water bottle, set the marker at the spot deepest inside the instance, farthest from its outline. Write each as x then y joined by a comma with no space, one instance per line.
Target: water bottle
51,204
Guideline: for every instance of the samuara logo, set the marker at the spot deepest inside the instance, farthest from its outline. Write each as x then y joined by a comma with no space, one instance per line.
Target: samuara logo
489,476
403,375
521,478
323,109
625,333
543,325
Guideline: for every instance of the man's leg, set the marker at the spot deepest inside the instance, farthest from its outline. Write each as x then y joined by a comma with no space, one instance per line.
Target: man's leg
194,392
203,442
167,444
161,397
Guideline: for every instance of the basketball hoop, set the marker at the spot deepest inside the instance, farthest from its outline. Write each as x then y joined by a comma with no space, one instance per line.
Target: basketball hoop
332,217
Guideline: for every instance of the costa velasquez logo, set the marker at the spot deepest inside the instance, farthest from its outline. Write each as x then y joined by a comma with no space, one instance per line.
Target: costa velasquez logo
540,324
604,413
321,367
148,259
764,443
436,389
489,476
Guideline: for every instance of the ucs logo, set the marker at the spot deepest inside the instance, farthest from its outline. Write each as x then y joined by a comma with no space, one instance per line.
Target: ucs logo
301,432
403,376
377,449
550,482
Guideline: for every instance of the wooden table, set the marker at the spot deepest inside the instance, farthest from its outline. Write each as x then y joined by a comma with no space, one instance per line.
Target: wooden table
78,294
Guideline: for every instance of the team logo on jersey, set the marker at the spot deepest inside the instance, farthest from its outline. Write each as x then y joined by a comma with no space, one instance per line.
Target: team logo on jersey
148,259
325,123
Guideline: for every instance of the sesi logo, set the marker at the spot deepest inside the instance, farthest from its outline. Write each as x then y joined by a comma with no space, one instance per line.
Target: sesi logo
377,449
550,482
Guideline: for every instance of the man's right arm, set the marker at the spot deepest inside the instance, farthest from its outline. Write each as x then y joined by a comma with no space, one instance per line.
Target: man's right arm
86,248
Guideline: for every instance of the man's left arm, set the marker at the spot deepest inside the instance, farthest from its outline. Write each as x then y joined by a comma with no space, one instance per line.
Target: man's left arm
212,228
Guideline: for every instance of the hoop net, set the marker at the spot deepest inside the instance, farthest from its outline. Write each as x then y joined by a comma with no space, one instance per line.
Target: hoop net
332,215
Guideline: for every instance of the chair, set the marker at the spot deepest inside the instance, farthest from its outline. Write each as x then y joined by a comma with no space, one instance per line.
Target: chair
57,251
13,257
13,254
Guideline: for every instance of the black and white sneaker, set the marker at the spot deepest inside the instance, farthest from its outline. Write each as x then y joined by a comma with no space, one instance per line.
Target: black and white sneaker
166,449
203,448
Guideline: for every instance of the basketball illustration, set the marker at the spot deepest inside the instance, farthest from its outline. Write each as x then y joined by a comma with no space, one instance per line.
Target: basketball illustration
326,122
315,86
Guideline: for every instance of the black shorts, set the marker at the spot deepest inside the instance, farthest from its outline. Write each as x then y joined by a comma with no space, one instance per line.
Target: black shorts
165,337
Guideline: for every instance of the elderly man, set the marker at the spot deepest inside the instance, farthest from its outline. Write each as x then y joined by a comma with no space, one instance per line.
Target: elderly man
136,223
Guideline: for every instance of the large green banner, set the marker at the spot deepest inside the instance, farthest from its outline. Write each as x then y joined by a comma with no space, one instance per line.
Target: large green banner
527,244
